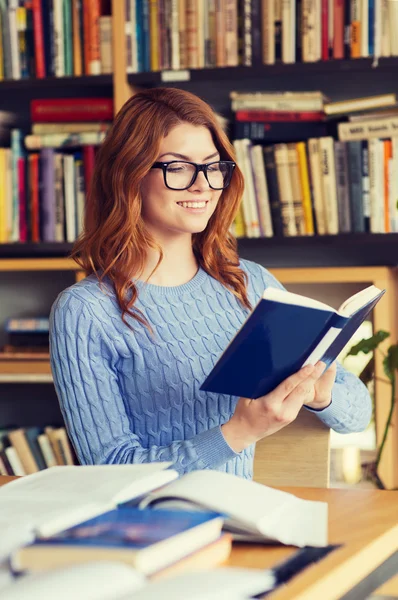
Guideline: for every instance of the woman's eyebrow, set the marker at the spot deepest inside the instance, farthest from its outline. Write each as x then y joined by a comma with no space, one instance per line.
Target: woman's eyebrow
183,157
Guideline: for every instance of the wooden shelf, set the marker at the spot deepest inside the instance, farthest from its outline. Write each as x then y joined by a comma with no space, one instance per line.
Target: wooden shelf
361,65
56,82
25,378
344,250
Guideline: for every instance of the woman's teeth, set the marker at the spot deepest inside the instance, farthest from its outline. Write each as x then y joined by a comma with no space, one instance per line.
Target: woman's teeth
192,204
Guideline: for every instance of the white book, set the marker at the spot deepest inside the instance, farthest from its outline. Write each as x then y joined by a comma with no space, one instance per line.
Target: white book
59,497
289,31
15,461
70,197
285,189
328,169
249,182
252,511
262,195
59,57
112,580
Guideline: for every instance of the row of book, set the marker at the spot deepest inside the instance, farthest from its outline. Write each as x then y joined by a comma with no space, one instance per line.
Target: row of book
31,449
182,34
41,38
43,198
321,186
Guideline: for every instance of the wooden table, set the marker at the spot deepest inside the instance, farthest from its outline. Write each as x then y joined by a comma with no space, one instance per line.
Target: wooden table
365,522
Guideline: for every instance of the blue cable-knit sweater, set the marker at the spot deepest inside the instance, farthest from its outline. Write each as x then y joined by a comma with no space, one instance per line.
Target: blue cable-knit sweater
129,398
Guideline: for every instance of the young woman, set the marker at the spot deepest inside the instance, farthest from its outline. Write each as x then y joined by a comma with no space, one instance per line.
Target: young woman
132,343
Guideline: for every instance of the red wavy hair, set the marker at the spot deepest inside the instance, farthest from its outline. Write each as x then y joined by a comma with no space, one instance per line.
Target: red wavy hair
115,239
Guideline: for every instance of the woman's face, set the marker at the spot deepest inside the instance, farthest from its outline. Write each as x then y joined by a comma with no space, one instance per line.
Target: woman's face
169,213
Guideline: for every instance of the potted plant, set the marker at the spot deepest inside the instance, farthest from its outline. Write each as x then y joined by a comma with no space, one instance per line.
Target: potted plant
390,367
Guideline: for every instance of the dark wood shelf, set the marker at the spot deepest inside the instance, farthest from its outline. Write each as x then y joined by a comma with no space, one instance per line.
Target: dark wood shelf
56,82
360,65
344,250
35,250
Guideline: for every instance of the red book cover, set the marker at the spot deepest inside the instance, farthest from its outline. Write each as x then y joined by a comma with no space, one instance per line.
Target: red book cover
23,228
69,110
338,34
38,38
88,164
34,197
277,116
325,30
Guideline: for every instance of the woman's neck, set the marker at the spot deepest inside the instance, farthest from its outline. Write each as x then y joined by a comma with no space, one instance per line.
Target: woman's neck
178,265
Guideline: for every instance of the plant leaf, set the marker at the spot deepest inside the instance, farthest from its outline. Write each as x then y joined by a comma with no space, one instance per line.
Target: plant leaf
369,344
390,363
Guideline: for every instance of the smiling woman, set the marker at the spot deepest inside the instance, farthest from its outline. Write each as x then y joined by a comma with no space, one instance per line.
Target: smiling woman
165,293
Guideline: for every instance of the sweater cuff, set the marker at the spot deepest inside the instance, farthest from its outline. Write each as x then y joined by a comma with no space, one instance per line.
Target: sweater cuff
332,412
213,449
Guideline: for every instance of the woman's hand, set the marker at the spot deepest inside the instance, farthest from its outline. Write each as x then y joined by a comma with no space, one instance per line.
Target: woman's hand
256,419
323,389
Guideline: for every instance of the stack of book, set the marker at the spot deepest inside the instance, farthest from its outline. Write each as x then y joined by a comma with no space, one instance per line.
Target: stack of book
43,198
41,38
316,184
68,516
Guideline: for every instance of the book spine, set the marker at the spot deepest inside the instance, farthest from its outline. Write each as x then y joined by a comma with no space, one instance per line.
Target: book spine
78,109
379,128
77,38
342,184
316,179
59,199
274,131
268,29
277,116
273,190
296,189
285,190
256,33
365,184
338,40
354,150
47,216
305,188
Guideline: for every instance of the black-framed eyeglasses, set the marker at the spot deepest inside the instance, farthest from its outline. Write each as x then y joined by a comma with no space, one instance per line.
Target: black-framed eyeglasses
181,174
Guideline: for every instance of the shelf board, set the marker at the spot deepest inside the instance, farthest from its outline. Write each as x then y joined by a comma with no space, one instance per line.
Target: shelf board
362,65
56,82
344,250
35,250
25,378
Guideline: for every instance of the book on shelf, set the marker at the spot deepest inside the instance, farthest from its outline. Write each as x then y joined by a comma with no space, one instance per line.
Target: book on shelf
283,333
149,540
113,580
45,39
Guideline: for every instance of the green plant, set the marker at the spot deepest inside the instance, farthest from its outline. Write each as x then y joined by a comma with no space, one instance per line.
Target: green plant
390,367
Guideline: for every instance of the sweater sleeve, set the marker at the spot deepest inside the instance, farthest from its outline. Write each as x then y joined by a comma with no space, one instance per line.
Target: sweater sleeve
351,406
84,366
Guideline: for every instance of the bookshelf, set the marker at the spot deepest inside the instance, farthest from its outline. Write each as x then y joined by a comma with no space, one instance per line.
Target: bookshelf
343,259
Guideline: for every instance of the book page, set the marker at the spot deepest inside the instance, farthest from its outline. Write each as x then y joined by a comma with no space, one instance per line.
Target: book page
277,295
96,580
251,507
95,483
358,300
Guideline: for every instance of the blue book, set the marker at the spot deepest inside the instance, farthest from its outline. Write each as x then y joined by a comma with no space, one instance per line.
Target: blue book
147,539
284,332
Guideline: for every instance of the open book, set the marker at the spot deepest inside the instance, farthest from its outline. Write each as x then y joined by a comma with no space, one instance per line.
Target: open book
252,512
56,498
284,332
111,580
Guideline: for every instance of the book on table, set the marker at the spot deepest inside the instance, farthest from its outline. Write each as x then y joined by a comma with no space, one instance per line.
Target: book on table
113,580
59,497
284,332
149,540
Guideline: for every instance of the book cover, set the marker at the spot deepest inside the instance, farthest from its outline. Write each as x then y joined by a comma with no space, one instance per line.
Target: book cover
149,540
283,332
